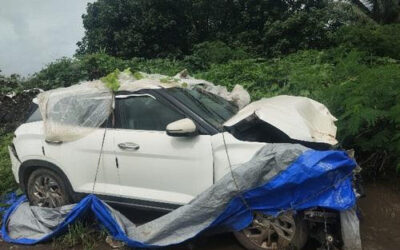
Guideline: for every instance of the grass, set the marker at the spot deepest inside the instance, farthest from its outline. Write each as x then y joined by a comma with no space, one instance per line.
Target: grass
7,181
81,234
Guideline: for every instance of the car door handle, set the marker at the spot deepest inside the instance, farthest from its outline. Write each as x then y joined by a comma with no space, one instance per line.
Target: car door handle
128,146
53,142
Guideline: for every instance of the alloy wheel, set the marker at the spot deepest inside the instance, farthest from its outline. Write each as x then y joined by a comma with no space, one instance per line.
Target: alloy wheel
267,232
47,192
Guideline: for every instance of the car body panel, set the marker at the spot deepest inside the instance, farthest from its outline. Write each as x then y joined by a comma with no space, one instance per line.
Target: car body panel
300,118
172,171
164,168
239,152
28,139
77,159
15,164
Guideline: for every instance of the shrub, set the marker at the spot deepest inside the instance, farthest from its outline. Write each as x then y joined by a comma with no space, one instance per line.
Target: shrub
7,182
216,52
367,104
10,84
362,91
304,73
61,73
66,71
380,40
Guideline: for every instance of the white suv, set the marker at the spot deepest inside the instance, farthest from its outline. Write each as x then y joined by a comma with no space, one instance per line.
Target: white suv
161,148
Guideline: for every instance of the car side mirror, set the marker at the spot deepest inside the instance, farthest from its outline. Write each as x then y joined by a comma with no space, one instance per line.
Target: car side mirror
183,127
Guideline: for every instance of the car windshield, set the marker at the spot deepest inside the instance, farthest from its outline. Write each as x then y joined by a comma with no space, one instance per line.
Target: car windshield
212,108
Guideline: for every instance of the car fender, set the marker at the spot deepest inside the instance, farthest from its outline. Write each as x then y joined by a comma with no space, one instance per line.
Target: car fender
28,166
239,152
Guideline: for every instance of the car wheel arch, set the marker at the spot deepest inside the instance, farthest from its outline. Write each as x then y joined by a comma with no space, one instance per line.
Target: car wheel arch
27,167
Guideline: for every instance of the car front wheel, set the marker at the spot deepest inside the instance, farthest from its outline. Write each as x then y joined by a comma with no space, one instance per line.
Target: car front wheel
269,233
45,188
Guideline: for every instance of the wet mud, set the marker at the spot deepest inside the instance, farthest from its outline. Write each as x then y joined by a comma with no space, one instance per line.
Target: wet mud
380,217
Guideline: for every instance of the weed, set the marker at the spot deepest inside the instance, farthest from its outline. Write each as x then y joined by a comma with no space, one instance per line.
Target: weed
7,182
82,234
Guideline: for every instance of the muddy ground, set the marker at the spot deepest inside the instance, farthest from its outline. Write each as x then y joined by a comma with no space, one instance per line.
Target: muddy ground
380,224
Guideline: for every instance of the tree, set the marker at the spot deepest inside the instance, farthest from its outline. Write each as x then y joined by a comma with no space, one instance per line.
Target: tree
382,11
378,40
172,28
10,83
144,28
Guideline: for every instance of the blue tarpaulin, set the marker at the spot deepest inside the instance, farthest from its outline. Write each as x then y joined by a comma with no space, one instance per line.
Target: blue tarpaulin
309,179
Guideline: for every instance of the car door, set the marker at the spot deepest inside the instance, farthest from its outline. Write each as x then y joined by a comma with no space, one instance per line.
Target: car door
153,166
79,160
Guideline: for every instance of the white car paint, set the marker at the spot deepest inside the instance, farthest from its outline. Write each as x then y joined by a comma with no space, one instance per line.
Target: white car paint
238,151
183,126
163,169
154,166
78,159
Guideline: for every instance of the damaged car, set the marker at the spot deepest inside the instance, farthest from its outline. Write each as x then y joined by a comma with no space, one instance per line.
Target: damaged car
160,147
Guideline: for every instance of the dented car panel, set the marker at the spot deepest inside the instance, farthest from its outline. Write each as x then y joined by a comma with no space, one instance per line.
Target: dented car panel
299,118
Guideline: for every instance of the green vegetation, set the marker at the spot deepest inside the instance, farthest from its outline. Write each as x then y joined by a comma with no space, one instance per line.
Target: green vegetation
10,84
80,233
380,40
7,182
343,55
111,80
172,28
381,11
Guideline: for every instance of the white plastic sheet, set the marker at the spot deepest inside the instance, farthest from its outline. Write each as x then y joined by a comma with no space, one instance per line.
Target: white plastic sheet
350,230
239,95
71,113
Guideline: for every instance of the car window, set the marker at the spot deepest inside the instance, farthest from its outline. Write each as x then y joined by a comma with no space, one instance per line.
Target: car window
34,114
144,113
212,108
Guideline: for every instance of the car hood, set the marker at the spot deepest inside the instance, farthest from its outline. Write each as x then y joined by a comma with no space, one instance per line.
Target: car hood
300,118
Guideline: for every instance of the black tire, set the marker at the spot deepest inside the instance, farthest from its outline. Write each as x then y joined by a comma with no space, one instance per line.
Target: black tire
45,188
298,240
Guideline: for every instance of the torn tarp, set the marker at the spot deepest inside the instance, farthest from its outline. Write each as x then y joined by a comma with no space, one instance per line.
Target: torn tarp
280,177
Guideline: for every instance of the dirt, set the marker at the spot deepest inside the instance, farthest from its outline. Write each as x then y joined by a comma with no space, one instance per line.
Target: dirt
380,224
380,217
